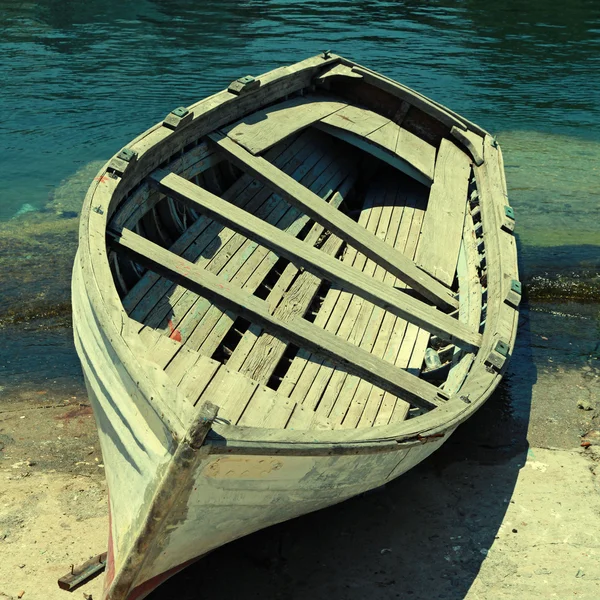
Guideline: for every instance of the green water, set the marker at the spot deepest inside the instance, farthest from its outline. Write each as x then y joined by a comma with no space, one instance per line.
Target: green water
79,80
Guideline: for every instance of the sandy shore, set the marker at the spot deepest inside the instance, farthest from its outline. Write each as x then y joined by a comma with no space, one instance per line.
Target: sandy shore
510,508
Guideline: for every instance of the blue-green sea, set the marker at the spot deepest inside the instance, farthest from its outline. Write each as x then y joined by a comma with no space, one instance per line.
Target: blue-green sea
80,79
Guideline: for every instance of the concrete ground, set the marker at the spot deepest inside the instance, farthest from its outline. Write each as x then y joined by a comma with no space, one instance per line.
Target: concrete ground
509,508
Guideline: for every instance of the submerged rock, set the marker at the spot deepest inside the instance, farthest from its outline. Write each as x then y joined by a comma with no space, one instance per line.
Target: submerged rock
25,208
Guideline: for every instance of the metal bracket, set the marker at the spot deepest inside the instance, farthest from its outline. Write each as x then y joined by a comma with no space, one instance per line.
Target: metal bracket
243,85
178,117
497,357
121,161
513,297
326,54
509,219
82,573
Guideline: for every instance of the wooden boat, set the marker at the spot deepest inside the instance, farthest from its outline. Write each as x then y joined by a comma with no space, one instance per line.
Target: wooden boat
285,295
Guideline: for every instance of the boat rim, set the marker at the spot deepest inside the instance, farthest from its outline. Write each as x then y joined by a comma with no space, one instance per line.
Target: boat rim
158,142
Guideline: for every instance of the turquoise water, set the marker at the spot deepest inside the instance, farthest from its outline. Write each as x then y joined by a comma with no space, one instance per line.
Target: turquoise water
80,79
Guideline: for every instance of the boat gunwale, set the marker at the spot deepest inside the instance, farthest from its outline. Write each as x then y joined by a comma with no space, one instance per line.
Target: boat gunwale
155,146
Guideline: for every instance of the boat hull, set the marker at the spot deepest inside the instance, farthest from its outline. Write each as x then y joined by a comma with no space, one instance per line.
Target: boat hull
219,495
182,482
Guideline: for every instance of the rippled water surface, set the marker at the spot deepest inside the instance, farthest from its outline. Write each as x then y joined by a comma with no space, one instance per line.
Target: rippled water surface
80,79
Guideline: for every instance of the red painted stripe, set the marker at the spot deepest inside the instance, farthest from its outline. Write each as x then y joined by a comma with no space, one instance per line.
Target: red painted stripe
142,590
110,559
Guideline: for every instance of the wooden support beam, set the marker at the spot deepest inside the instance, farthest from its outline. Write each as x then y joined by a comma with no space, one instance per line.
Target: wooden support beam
336,222
317,262
296,331
472,142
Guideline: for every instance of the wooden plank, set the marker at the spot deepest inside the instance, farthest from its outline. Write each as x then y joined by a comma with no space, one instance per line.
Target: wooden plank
317,262
248,276
321,384
207,325
231,390
268,350
336,222
381,405
246,193
292,222
444,219
267,409
265,128
353,119
251,336
416,151
297,331
198,377
308,375
366,399
411,149
353,394
386,136
304,418
470,299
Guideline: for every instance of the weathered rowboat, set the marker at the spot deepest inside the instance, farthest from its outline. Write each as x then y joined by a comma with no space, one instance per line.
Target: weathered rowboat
320,255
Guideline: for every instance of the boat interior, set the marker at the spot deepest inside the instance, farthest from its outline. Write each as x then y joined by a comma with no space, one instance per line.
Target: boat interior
389,168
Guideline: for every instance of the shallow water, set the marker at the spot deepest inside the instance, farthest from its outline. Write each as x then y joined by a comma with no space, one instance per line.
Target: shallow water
79,80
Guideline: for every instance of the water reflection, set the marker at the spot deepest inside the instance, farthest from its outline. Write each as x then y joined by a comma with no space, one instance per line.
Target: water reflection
81,79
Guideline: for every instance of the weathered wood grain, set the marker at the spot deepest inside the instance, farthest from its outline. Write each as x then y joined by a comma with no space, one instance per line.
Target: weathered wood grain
296,331
263,129
317,262
444,219
355,120
336,222
417,157
258,356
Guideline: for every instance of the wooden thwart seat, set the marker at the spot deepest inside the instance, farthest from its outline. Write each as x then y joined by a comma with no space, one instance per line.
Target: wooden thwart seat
296,331
395,213
268,127
358,126
383,138
316,262
336,222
